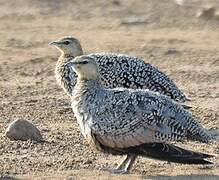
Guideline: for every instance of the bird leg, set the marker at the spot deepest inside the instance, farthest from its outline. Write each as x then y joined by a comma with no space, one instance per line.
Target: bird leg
127,163
124,166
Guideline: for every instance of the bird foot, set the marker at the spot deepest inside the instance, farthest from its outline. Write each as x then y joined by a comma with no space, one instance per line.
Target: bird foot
115,171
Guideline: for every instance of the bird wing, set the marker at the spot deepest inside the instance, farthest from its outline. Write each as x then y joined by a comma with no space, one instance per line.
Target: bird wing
127,118
118,70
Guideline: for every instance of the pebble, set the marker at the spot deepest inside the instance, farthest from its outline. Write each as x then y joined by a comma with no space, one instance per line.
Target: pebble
208,12
23,130
180,2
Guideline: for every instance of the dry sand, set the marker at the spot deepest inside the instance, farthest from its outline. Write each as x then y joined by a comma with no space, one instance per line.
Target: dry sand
164,34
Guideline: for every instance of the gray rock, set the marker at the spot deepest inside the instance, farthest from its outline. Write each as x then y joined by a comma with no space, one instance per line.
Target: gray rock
23,130
180,2
135,20
208,12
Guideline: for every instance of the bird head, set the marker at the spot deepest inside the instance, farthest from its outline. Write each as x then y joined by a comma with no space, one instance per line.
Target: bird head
69,46
85,67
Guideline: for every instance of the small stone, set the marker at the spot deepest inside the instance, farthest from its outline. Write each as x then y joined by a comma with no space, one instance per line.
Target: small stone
216,15
207,12
171,51
116,2
23,130
135,21
180,2
71,177
88,162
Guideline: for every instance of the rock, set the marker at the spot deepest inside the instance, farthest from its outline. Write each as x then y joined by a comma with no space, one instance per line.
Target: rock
180,2
23,130
171,51
135,21
216,15
206,12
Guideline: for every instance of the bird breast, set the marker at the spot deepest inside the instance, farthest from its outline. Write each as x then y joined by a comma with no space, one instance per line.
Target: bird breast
81,108
82,118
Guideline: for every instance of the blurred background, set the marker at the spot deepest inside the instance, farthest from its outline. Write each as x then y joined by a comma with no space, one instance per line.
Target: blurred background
179,37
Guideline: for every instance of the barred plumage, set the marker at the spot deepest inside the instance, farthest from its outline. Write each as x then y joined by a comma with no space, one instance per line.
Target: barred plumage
120,120
116,70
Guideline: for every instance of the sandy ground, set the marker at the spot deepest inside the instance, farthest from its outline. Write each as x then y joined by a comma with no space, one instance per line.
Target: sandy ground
164,34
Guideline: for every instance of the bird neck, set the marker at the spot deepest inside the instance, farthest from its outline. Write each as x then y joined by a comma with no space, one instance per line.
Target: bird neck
61,64
62,73
86,86
89,82
65,57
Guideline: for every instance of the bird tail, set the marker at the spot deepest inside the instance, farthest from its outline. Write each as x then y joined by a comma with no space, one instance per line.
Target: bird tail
171,153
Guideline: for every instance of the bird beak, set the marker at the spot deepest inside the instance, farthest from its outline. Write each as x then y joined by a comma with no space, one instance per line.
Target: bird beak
54,43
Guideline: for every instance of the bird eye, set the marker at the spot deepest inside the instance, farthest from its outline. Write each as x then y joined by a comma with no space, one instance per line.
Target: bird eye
66,42
84,62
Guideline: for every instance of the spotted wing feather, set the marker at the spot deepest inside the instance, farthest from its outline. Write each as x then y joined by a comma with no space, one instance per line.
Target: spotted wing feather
125,118
118,70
